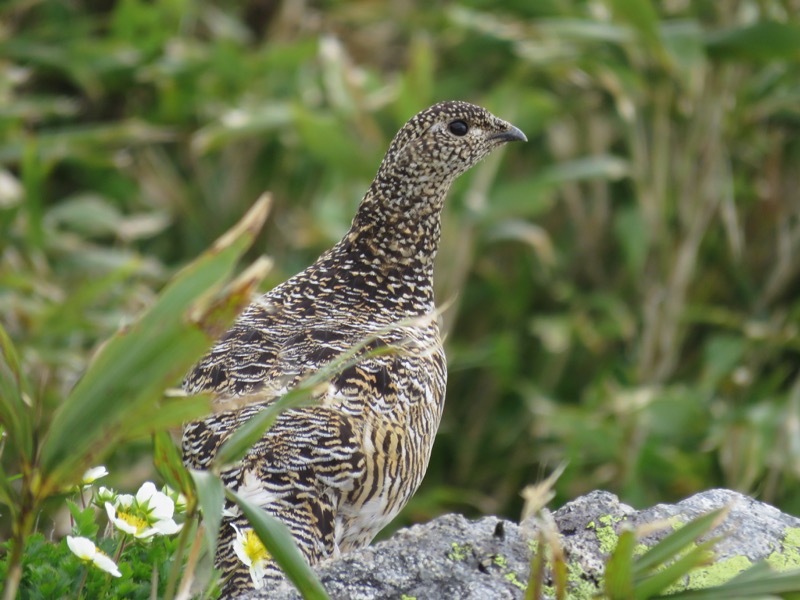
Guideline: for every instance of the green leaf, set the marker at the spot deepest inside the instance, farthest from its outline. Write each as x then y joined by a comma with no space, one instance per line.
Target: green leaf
674,570
242,123
237,445
211,497
761,41
279,542
84,518
15,413
755,582
169,414
619,569
641,15
676,541
131,372
8,495
168,463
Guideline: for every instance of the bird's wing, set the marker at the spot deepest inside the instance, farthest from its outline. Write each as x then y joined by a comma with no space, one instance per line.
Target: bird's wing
298,472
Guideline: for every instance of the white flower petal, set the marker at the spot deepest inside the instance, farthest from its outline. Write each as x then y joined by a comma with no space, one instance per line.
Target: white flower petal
104,562
82,547
160,507
238,546
257,574
94,474
145,534
125,527
145,492
124,501
120,524
167,526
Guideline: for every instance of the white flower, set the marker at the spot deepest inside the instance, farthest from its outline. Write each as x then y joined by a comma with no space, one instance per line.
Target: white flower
85,549
105,494
251,552
146,515
93,475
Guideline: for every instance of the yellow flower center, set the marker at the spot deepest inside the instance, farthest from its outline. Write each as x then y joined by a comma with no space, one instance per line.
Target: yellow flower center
253,547
131,519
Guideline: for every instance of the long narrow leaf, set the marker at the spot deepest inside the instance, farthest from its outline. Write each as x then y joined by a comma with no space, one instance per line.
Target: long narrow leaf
671,545
619,569
237,445
170,413
762,584
15,414
167,460
211,497
132,370
663,578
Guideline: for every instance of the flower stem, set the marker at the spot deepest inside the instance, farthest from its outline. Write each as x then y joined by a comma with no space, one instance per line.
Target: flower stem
120,548
177,558
83,582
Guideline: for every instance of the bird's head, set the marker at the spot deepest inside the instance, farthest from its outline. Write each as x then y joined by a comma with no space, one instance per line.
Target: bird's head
447,139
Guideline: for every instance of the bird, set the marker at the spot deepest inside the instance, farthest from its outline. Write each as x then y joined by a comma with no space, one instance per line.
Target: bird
337,471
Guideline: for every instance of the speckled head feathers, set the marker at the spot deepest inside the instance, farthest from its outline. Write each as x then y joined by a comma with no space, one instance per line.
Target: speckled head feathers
399,217
448,138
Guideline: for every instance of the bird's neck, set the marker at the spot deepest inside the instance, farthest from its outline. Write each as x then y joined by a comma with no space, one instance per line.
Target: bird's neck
399,220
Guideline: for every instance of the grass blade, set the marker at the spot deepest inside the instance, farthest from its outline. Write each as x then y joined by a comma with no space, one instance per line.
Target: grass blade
211,498
672,545
619,569
131,372
168,462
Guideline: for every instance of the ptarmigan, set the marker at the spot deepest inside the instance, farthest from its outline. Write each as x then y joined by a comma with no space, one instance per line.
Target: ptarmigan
339,471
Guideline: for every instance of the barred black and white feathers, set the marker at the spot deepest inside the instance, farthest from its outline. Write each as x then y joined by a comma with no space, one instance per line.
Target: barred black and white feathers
337,472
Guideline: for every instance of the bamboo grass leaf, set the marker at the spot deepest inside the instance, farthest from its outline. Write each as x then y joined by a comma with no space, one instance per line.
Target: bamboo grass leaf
168,462
761,41
761,583
133,369
211,497
15,413
619,569
676,541
169,414
642,15
696,557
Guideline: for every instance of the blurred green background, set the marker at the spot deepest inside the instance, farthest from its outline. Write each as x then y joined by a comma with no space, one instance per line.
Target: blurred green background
624,287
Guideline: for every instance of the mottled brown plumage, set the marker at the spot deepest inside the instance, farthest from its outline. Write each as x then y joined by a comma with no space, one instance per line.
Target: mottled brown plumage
337,472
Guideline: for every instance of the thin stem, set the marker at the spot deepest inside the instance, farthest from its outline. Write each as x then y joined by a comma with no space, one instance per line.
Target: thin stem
177,559
191,564
120,548
22,530
83,582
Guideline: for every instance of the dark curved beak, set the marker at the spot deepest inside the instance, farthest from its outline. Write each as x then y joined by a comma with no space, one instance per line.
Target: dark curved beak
512,134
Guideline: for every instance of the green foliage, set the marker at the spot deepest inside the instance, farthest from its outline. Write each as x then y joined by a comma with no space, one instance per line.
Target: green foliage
52,570
657,570
623,287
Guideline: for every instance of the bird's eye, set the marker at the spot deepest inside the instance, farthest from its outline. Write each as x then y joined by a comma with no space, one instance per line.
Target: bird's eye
458,128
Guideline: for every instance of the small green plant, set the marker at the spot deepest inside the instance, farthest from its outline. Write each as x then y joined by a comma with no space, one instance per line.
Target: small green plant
657,572
122,397
129,557
634,571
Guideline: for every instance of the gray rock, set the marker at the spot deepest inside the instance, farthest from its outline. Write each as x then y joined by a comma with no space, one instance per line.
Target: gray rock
487,559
